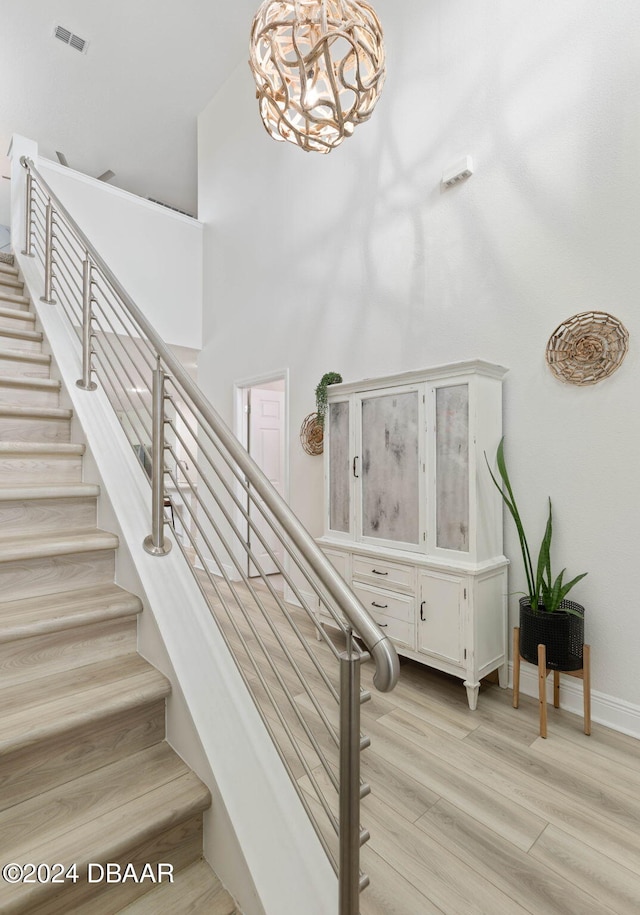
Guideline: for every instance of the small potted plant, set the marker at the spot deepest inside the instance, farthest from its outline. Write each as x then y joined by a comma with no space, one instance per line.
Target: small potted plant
546,616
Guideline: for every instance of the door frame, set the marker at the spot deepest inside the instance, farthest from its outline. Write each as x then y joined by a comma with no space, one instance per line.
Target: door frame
241,429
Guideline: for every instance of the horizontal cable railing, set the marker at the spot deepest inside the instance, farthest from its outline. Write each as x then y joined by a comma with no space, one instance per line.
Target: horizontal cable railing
243,543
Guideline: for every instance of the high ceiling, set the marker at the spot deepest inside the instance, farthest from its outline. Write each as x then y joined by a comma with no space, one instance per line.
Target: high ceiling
130,102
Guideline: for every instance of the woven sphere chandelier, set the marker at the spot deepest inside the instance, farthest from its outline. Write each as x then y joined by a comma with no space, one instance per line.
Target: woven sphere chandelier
319,68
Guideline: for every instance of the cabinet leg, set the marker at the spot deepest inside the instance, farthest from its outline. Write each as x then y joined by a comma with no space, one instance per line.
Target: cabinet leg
516,667
503,675
472,694
556,689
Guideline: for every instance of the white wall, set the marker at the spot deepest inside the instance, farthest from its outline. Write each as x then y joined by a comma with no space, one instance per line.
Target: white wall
155,253
359,262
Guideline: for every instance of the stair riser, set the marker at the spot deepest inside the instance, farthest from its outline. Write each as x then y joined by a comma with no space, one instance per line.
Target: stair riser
7,341
16,302
31,770
33,429
51,575
13,319
53,468
179,846
11,285
12,366
55,652
43,515
28,396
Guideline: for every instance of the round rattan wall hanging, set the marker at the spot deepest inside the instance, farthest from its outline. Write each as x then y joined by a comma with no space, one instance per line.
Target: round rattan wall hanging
588,347
312,434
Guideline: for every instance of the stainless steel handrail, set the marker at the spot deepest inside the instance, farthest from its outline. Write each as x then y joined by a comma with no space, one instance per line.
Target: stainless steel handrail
378,645
122,349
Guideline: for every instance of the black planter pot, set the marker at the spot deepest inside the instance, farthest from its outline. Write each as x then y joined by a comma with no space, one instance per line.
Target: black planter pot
562,633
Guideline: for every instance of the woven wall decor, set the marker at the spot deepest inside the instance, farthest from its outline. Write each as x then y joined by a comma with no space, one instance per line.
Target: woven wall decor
312,434
588,347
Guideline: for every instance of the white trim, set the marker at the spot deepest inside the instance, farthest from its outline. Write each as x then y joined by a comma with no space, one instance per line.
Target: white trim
607,710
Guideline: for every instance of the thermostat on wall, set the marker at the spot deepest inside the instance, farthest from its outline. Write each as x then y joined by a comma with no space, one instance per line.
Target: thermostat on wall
462,169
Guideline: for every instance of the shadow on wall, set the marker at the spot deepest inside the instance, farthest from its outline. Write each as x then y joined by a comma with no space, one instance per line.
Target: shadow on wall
5,239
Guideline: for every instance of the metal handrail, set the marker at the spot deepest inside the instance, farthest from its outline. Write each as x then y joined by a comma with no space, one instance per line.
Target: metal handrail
100,311
378,645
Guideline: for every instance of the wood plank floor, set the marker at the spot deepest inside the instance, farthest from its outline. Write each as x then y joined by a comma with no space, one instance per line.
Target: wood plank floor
471,813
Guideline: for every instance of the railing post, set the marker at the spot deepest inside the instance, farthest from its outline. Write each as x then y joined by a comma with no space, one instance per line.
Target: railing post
155,543
349,872
28,212
48,259
87,319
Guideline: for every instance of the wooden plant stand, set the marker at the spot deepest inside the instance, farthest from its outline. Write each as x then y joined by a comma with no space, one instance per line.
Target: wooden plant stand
584,674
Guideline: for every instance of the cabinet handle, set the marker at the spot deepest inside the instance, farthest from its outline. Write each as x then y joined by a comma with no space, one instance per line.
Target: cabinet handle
422,611
379,606
383,625
354,466
375,572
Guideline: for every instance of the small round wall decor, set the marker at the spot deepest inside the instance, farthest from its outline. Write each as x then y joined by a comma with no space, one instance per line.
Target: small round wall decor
586,348
312,434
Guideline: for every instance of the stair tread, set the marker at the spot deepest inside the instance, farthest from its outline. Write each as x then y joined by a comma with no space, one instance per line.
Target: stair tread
66,807
24,381
11,280
35,412
110,835
14,314
30,448
23,355
17,334
8,268
195,889
9,493
50,706
53,613
35,545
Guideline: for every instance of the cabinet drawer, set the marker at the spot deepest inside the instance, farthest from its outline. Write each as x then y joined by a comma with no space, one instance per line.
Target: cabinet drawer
376,601
398,630
383,573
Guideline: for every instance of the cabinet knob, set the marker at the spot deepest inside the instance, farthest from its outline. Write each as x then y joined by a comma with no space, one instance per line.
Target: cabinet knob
379,606
422,616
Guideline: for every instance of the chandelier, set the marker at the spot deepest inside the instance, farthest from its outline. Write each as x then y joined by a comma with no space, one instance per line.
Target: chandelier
319,68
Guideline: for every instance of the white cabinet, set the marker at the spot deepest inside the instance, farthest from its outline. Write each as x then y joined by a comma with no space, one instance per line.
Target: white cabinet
412,520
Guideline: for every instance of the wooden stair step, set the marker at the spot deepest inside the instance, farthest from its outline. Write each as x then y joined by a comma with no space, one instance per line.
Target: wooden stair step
21,619
10,269
30,340
11,280
21,302
21,390
47,507
195,889
22,462
65,632
13,317
34,424
55,728
48,563
146,809
24,363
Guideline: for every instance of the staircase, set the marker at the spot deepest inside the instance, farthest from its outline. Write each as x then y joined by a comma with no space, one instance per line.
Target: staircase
86,777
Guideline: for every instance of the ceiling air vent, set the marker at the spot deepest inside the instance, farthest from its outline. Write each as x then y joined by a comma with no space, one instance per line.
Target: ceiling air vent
74,41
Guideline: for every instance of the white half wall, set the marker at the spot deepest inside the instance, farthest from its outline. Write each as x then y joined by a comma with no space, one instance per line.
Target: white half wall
360,262
154,252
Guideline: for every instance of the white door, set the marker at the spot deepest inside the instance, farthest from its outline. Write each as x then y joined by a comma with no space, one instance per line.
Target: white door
266,447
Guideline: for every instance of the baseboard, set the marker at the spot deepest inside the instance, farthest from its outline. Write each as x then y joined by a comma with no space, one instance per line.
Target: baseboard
215,569
613,713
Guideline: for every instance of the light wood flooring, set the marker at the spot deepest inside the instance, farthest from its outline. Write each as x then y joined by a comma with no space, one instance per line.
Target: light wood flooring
472,813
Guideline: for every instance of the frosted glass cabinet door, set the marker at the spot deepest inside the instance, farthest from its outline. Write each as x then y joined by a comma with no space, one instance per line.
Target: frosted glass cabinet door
390,467
339,467
452,467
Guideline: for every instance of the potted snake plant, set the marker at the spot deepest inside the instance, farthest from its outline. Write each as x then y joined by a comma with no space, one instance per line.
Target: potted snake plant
546,616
